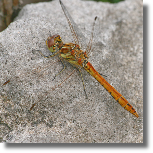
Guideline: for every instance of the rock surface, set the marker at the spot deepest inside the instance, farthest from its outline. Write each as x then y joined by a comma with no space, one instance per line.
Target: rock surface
64,114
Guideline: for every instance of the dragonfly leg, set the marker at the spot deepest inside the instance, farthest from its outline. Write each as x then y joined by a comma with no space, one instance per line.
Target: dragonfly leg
64,67
44,55
47,56
82,82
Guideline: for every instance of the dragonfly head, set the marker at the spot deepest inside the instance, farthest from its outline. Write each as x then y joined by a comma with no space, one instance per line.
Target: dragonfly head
54,42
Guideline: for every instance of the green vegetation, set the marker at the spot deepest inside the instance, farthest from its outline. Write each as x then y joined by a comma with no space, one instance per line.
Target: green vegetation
110,1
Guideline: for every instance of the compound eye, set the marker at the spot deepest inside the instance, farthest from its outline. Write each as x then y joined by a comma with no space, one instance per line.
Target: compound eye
50,42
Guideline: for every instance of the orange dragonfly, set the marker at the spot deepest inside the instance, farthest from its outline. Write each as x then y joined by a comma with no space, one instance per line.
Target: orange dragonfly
73,53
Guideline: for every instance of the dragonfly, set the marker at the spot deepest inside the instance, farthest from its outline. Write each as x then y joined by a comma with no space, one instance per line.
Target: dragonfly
74,54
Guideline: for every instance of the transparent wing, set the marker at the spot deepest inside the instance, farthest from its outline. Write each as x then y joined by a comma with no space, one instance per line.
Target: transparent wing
76,33
89,46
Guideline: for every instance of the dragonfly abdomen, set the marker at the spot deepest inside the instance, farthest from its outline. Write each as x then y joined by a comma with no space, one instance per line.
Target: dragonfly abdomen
114,93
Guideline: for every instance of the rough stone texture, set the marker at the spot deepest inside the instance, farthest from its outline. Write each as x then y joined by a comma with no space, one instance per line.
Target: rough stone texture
64,115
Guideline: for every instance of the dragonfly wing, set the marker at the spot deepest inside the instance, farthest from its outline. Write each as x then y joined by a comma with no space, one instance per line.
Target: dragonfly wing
78,37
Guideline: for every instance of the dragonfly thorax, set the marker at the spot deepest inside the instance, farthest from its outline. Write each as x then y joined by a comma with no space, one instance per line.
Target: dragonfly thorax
73,54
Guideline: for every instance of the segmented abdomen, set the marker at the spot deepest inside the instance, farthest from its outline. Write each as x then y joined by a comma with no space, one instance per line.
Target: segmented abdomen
114,93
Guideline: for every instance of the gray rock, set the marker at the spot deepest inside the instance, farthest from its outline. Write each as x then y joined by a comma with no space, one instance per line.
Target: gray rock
62,113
